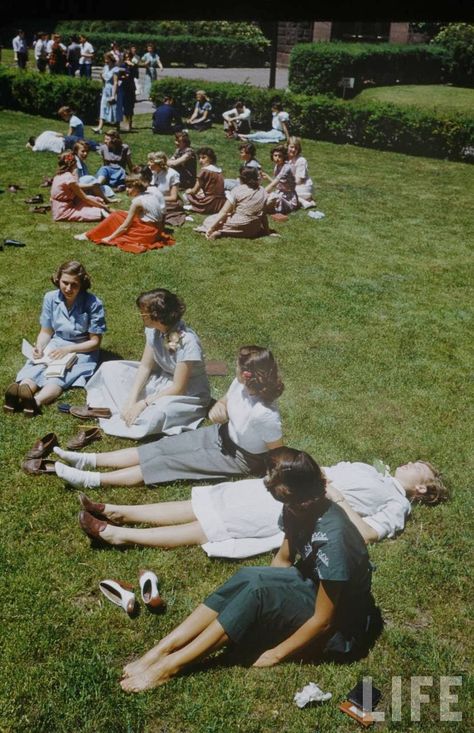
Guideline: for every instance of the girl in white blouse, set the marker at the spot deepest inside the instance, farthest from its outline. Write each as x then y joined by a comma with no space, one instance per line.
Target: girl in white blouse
246,426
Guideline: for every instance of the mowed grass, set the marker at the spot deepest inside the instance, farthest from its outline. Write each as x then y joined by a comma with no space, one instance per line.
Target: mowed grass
430,97
369,312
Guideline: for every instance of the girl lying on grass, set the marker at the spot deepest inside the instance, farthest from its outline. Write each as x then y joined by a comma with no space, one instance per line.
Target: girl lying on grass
322,606
246,426
240,518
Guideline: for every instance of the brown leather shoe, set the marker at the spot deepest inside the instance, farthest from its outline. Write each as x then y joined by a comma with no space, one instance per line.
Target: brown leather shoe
43,446
11,402
85,412
27,401
92,507
84,437
91,526
37,466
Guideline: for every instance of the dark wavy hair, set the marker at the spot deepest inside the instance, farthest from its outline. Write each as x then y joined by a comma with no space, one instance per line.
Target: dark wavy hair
209,152
72,267
162,305
293,477
248,148
279,149
260,372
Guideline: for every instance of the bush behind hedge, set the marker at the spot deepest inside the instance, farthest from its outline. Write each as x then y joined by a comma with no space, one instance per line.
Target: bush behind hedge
321,117
188,50
318,67
221,28
43,94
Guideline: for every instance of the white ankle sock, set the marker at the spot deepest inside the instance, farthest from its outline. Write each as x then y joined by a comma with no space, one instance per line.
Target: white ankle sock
75,477
78,460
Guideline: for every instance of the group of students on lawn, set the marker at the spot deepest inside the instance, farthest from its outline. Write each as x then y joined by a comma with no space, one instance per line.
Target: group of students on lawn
314,600
166,191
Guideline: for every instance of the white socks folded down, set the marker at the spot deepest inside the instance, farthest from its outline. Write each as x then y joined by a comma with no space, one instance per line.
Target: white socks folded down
78,460
74,473
76,477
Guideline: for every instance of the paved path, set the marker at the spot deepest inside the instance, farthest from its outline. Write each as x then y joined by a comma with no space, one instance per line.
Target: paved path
255,77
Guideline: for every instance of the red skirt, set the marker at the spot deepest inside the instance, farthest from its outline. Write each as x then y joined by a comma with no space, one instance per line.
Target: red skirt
140,236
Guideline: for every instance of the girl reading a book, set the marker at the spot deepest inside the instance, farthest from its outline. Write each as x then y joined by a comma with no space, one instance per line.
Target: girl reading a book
72,323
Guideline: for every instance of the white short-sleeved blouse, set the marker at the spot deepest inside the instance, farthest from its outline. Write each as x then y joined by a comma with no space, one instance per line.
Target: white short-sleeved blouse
252,423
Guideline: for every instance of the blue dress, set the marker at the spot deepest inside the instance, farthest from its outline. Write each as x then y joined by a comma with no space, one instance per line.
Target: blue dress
112,113
86,316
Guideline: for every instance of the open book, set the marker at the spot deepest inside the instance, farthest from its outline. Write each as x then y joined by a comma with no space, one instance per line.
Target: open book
54,367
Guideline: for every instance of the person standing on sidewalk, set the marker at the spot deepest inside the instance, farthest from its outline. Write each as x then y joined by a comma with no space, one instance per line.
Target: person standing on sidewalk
20,49
40,51
87,54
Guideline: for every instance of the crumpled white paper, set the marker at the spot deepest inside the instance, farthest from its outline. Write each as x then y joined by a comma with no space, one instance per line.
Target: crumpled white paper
316,214
311,693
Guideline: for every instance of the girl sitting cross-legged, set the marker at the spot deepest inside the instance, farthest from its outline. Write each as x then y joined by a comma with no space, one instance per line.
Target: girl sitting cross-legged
246,426
320,607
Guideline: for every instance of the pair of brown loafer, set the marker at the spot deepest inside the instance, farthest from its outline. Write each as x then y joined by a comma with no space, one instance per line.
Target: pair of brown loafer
19,397
35,463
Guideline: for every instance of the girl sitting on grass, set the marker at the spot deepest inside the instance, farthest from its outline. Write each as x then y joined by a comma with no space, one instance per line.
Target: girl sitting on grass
246,426
207,195
279,131
72,321
68,200
282,197
320,607
168,390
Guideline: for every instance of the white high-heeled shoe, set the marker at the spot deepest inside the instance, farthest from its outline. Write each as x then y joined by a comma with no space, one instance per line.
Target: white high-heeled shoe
119,593
149,590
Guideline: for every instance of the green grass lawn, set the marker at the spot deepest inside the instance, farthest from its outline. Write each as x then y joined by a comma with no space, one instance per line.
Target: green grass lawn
439,97
369,312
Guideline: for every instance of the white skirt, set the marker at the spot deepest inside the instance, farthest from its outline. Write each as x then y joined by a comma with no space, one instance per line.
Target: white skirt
110,387
239,518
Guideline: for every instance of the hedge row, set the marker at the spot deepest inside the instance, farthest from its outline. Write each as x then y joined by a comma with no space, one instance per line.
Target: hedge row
188,50
42,94
317,68
374,125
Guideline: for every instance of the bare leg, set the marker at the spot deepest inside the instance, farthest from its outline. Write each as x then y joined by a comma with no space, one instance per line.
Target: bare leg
48,393
211,638
131,476
175,536
191,627
124,458
32,385
164,513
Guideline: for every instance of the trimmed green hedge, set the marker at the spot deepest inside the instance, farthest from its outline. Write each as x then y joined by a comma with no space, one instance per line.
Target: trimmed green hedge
318,67
200,28
43,94
374,125
188,50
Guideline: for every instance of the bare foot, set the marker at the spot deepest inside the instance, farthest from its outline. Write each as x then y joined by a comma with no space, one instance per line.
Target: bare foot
155,676
139,666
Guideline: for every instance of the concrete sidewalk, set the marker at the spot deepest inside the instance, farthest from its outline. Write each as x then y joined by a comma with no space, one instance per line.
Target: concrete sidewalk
254,77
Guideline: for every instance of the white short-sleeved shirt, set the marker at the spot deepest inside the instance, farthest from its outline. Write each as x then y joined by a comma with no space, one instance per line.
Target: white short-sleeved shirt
153,204
49,142
380,500
252,423
86,48
77,126
164,180
278,119
235,114
299,166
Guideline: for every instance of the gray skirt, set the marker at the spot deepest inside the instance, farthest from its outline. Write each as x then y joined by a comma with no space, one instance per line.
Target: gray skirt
205,453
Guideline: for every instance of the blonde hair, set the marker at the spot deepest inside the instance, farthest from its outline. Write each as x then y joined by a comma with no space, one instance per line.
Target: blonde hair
202,93
159,157
296,141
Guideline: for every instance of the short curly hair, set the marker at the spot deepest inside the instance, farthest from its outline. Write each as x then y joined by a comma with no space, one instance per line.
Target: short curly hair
436,492
72,267
162,305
